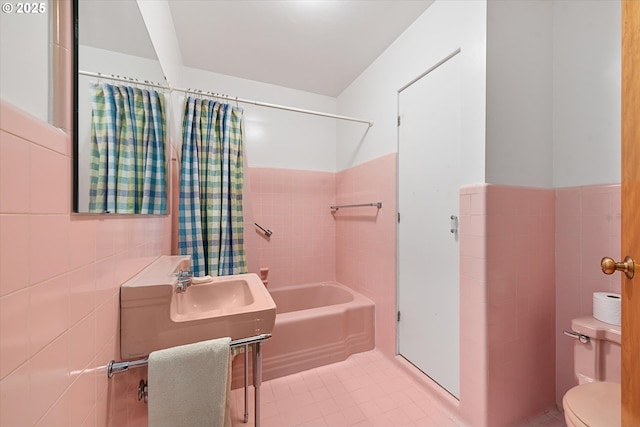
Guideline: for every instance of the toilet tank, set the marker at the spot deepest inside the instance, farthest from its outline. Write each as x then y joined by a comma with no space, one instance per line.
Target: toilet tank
599,359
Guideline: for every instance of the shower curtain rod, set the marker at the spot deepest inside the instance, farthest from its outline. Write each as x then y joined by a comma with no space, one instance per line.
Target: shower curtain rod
279,107
228,98
123,79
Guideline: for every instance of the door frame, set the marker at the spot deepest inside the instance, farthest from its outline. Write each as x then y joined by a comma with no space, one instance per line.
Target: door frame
630,237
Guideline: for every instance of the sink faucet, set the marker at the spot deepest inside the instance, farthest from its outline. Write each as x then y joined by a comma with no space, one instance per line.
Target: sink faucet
184,281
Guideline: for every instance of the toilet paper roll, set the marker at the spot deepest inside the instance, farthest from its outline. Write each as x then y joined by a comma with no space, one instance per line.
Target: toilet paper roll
607,307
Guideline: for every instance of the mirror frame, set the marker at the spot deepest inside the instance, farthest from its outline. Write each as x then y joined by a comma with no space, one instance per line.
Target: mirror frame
74,110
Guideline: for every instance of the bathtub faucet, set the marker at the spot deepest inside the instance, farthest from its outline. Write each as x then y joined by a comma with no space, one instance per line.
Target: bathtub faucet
184,281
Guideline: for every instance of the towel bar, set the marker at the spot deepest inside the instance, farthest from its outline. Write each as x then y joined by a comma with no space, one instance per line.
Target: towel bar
118,367
376,204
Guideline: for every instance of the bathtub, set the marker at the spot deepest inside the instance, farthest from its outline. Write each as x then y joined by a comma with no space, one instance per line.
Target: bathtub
316,324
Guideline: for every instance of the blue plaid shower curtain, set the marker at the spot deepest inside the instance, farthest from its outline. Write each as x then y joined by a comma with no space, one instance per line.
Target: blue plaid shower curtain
127,168
211,220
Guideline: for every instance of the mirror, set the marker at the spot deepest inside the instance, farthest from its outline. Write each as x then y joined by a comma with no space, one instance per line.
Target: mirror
110,39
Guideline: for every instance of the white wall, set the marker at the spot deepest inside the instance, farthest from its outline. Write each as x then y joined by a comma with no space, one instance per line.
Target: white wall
444,27
519,93
159,22
107,62
552,90
25,59
586,84
276,138
553,93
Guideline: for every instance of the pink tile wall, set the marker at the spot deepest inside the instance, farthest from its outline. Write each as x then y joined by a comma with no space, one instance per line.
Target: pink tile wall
587,229
507,303
521,299
295,206
474,379
356,247
60,275
366,240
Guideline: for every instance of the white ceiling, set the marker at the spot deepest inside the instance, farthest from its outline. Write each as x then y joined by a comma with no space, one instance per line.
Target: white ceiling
318,46
114,25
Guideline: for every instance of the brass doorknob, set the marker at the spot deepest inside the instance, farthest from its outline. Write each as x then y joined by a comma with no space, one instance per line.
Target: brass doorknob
609,266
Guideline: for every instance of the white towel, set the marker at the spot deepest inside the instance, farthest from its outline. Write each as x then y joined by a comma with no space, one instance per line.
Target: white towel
189,385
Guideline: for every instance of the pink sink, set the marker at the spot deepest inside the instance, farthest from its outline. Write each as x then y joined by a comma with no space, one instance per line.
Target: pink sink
220,295
155,316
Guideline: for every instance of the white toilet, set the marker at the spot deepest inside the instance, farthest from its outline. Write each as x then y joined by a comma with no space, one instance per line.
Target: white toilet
595,402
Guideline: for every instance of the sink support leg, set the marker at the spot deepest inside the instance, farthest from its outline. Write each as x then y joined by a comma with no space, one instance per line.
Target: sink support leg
246,383
257,379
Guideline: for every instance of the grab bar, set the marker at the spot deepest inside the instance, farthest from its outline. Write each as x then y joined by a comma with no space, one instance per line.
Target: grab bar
376,204
117,367
266,231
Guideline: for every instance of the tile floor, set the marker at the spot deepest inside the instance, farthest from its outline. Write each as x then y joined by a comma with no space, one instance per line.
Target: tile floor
366,390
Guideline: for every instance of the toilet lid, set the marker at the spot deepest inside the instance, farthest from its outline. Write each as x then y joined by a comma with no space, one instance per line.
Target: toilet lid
595,404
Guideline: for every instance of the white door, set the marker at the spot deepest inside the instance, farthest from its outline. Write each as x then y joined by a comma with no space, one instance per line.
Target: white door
428,256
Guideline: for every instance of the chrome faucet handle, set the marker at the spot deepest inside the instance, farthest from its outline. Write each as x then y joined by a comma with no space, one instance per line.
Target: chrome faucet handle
182,286
182,273
183,283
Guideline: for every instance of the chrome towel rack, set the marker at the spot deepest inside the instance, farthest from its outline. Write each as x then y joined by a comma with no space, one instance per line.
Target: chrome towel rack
118,367
376,204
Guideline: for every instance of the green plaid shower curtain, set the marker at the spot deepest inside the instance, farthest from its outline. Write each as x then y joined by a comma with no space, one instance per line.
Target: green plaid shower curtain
127,170
211,219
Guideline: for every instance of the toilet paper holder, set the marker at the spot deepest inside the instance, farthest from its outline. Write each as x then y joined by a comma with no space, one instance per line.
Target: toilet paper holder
584,339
